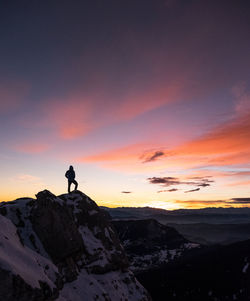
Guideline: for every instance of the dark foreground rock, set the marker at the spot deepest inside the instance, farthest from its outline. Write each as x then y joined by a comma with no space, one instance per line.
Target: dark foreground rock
62,248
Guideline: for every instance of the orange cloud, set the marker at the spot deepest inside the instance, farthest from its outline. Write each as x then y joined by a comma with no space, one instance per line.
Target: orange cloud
126,153
230,138
193,204
128,158
227,144
80,113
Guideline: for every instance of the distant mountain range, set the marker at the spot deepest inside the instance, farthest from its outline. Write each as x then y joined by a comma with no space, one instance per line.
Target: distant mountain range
172,268
203,226
149,244
183,216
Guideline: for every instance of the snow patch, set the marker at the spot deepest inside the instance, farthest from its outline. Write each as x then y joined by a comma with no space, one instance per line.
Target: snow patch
107,234
22,261
111,286
244,270
19,212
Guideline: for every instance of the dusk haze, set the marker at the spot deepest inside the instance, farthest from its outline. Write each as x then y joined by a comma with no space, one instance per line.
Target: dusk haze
148,100
125,150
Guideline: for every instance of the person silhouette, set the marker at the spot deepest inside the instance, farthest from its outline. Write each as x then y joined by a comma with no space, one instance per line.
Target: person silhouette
70,175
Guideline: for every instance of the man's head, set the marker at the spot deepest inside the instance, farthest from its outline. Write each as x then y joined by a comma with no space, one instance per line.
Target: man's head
71,167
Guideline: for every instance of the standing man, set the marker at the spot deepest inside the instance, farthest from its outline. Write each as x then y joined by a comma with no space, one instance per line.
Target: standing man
70,175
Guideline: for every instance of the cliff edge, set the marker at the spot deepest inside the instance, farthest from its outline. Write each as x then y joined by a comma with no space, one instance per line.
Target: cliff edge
62,248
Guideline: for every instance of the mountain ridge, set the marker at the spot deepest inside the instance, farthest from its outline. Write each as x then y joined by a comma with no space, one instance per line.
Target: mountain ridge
204,215
62,248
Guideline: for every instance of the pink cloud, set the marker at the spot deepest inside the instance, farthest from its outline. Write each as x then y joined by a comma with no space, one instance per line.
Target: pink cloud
125,153
78,115
193,204
127,158
227,144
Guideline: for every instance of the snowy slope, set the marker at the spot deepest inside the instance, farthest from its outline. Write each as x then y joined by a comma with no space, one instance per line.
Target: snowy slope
62,248
21,260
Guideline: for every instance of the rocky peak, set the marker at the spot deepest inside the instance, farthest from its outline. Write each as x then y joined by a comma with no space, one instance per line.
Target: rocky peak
74,241
150,244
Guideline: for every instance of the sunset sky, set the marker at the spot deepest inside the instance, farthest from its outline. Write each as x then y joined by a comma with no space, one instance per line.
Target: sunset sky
148,100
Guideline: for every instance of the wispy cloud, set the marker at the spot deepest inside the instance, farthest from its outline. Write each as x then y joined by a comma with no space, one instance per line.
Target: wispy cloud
240,201
168,190
169,181
80,113
203,185
126,153
165,181
192,190
201,203
154,156
235,202
226,144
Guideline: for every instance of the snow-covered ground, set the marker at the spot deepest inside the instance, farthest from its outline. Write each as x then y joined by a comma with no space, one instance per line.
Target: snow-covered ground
21,260
111,286
98,268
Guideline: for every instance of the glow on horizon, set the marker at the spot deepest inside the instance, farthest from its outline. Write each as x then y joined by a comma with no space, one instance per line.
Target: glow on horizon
151,100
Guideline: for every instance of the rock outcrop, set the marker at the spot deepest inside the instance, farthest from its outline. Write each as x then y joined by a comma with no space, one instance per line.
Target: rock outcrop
150,244
62,248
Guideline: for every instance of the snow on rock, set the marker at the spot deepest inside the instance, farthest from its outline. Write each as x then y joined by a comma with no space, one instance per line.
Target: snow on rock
63,248
19,212
109,287
244,270
150,244
22,261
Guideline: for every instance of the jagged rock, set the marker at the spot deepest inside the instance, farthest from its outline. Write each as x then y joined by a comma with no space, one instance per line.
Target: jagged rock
13,287
55,227
24,274
150,244
73,249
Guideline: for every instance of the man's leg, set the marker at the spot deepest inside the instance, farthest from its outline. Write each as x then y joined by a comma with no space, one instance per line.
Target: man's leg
69,184
76,184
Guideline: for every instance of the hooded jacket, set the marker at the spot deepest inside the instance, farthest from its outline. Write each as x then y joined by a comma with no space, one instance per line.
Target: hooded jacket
70,174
